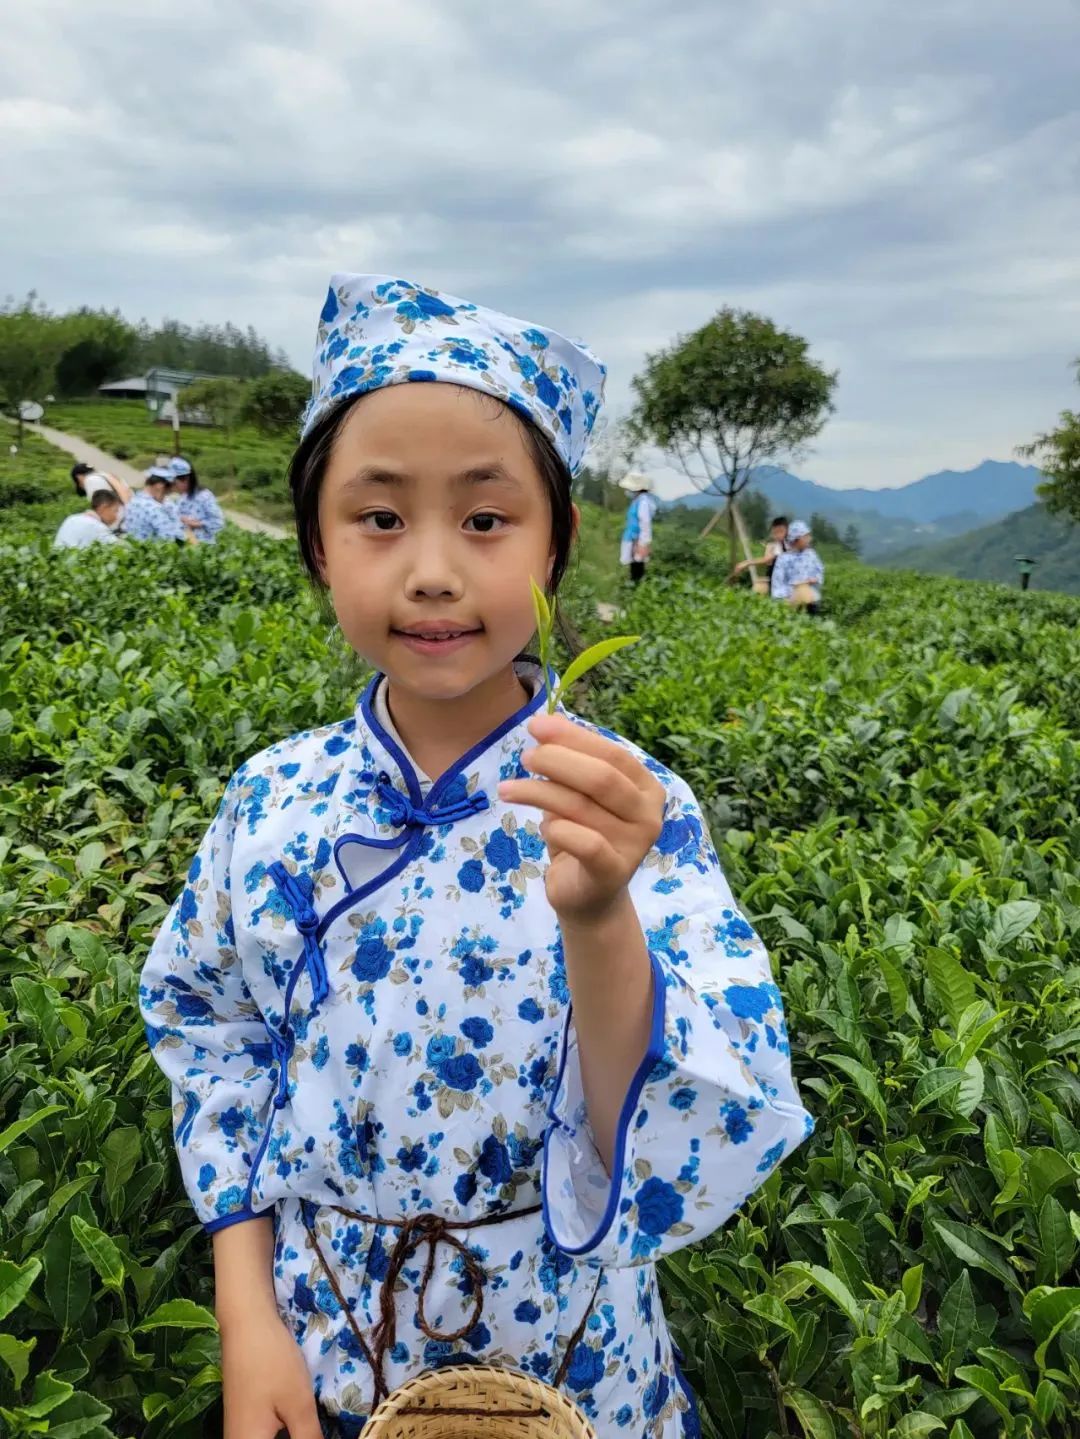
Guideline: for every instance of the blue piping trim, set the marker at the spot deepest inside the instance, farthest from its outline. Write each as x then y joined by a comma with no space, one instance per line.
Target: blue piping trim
240,1216
653,1054
692,1426
414,843
297,894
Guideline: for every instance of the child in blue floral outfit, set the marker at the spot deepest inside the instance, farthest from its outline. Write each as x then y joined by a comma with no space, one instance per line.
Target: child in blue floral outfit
464,1027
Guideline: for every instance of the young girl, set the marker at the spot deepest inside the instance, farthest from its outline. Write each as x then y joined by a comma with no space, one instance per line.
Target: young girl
464,1027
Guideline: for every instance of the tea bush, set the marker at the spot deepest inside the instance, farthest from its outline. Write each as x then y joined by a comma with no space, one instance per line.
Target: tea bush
894,793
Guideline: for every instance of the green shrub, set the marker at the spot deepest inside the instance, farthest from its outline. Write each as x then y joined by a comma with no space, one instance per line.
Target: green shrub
895,797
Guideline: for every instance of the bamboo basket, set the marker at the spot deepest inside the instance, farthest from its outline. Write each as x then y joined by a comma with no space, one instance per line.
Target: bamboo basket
761,587
804,594
477,1401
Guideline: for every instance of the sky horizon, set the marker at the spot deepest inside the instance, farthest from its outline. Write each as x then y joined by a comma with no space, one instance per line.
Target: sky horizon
899,187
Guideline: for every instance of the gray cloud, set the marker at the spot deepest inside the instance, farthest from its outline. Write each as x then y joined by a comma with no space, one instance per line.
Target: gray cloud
897,183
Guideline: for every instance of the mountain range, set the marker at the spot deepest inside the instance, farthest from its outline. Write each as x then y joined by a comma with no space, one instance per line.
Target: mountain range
991,552
889,521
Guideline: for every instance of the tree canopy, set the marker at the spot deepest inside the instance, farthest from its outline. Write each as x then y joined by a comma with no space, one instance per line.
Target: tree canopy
1058,456
737,392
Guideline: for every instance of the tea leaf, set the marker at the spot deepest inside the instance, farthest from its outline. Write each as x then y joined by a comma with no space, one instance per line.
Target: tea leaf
593,656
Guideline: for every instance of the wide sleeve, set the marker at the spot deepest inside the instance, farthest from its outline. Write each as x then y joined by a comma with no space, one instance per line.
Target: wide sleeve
645,517
167,524
211,515
207,1034
713,1108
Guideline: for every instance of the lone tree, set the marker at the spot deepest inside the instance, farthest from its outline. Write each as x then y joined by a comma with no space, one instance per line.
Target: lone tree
1058,456
274,403
30,344
218,402
727,398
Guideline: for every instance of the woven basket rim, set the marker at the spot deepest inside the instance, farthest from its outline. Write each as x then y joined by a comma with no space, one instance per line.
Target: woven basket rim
497,1382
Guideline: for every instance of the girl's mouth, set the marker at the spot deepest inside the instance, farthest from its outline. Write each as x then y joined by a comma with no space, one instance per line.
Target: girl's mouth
437,640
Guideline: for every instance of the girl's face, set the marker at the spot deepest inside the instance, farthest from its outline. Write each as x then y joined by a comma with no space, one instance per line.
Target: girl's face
432,518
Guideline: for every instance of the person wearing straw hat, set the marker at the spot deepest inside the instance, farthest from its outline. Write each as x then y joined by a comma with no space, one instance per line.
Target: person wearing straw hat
636,545
798,574
148,517
465,1029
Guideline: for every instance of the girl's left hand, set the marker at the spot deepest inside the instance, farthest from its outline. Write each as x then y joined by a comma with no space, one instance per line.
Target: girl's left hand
603,812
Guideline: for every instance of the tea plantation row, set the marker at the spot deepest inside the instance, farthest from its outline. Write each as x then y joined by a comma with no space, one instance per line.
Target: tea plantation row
895,796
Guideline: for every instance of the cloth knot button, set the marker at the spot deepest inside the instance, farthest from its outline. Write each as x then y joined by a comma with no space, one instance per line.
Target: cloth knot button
403,813
307,921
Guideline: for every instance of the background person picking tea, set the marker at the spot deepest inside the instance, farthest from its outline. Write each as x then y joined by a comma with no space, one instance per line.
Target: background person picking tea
91,526
798,574
362,996
635,548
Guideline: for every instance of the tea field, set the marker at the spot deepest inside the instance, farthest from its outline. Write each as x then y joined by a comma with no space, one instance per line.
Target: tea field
896,796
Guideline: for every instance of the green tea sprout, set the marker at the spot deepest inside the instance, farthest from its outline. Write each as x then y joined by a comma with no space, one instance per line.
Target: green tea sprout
587,660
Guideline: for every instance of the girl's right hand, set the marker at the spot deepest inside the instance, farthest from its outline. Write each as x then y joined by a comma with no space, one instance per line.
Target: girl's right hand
265,1381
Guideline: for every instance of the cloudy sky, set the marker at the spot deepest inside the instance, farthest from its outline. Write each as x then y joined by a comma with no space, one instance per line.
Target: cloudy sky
898,182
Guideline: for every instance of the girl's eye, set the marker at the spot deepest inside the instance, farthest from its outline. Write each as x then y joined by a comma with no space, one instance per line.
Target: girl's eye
382,520
485,524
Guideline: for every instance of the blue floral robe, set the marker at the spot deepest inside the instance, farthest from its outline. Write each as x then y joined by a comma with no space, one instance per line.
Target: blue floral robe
202,506
360,1000
148,519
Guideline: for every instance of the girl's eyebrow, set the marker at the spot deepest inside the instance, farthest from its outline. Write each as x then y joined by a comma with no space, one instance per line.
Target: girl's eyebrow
493,474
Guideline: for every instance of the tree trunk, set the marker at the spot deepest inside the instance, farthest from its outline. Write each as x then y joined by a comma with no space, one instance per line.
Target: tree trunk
733,539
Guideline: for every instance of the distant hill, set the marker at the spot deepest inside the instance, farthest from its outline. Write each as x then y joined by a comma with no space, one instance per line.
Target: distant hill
990,553
890,520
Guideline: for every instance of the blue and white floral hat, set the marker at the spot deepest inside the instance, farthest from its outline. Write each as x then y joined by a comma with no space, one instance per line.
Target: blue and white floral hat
376,331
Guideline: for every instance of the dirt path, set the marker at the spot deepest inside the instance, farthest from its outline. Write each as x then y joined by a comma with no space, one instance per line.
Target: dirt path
80,449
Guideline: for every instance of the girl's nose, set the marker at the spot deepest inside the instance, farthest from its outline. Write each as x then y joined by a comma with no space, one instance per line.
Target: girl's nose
433,571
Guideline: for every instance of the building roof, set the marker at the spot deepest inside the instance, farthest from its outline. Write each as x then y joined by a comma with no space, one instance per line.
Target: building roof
136,385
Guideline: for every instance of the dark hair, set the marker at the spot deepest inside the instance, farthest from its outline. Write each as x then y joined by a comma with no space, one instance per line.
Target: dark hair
308,468
780,520
192,479
100,498
77,472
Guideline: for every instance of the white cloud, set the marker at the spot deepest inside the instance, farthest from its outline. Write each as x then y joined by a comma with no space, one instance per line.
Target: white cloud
896,183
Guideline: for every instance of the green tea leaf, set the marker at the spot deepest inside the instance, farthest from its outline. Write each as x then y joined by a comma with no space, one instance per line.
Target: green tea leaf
865,1082
15,1283
591,657
814,1418
983,1380
956,1319
834,1288
935,1086
15,1353
911,1282
15,1131
67,1283
955,987
1012,920
1055,1239
971,1247
914,1426
101,1251
179,1314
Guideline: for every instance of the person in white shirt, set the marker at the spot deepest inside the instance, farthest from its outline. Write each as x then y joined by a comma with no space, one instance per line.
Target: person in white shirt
89,481
91,526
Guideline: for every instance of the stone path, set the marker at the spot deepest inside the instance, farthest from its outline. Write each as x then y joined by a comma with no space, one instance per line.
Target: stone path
80,449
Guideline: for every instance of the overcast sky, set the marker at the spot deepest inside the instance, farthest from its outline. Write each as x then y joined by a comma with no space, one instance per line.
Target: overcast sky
898,182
